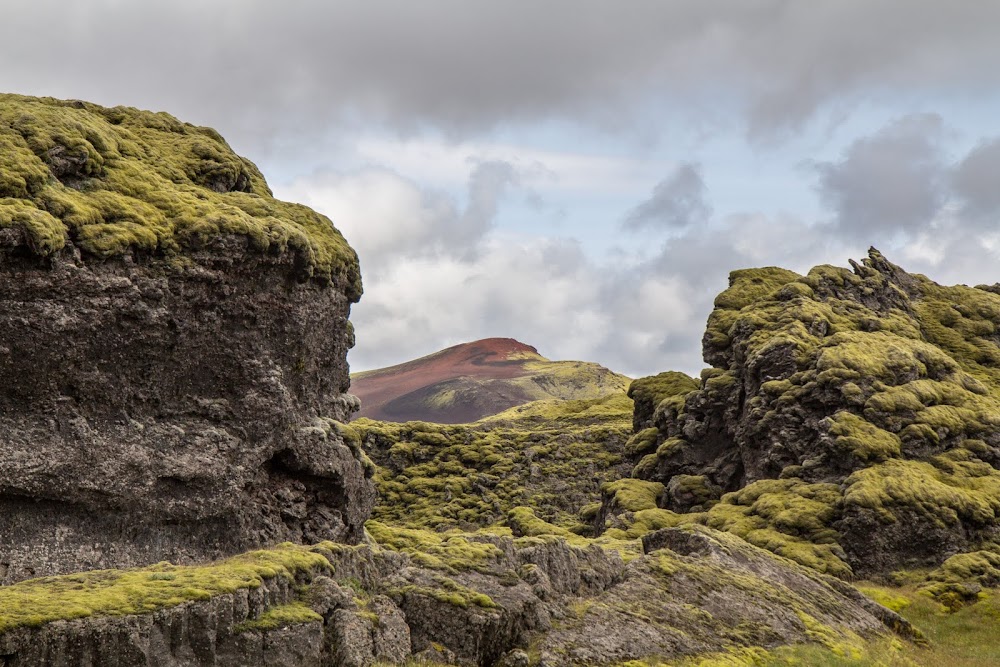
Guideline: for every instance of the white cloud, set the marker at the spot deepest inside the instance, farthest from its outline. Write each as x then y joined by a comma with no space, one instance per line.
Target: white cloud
444,163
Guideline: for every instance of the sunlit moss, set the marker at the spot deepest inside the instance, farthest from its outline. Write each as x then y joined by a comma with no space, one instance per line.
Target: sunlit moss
144,590
118,180
452,551
280,616
549,455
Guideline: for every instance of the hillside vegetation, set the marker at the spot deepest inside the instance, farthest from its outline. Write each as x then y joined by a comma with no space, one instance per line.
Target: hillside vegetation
552,456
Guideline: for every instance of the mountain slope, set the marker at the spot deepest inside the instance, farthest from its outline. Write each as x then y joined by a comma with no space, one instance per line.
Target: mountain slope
466,382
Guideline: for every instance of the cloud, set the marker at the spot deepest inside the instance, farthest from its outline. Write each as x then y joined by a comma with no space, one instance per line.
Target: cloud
386,217
638,311
974,181
255,68
890,181
430,287
678,201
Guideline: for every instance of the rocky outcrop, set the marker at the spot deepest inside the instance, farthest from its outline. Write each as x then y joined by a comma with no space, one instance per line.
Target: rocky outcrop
852,415
485,600
169,384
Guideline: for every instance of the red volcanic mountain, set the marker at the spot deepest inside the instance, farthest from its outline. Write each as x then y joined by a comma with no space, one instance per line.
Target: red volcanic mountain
474,380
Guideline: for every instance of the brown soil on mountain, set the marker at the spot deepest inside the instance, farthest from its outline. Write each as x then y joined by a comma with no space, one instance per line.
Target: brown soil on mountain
466,382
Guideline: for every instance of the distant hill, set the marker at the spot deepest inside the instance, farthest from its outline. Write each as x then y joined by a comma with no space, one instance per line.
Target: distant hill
466,382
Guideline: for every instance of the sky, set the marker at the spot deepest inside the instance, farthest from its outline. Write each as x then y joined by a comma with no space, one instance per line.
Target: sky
580,175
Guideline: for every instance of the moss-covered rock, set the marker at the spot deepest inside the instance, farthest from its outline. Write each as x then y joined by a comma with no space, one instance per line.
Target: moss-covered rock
877,387
173,346
551,456
119,180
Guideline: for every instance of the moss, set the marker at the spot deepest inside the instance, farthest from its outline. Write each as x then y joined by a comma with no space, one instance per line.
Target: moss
634,495
449,592
745,287
969,492
862,439
786,516
694,491
523,522
144,590
122,180
652,390
280,616
642,443
886,597
749,285
451,551
549,455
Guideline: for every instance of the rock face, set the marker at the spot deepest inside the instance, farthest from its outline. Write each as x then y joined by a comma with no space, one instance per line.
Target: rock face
173,401
853,411
467,382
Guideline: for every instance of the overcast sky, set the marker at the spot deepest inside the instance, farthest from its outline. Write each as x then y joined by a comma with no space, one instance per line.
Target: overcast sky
575,174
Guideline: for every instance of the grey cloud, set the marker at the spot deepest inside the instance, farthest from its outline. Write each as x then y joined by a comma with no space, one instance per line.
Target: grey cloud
677,201
258,69
977,184
386,216
487,185
890,182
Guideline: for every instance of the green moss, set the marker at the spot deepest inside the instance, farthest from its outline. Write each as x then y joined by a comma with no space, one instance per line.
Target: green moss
523,522
551,456
449,592
786,516
642,443
634,495
144,590
957,490
120,180
697,491
862,439
280,616
652,390
886,597
451,551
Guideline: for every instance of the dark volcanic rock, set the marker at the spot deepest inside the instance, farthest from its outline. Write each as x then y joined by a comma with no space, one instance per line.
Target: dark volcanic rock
854,414
171,409
692,591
